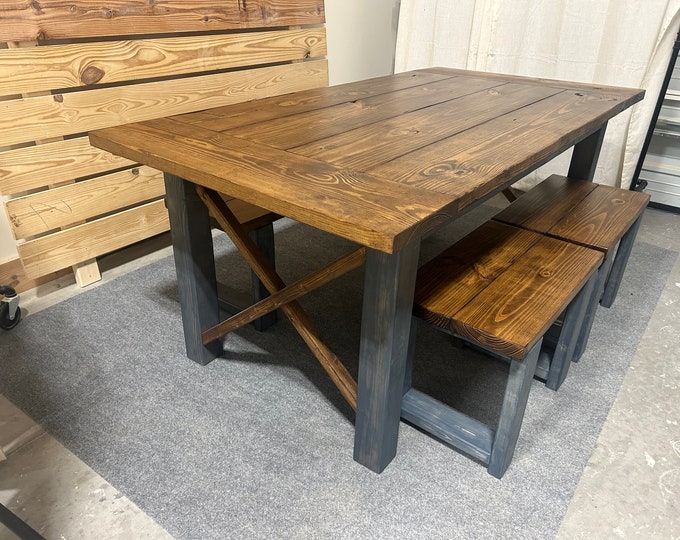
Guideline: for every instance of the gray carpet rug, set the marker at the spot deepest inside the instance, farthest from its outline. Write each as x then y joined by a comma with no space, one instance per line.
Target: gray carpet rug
258,444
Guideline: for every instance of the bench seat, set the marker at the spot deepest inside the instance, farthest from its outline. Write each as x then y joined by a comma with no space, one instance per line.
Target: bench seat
501,288
588,214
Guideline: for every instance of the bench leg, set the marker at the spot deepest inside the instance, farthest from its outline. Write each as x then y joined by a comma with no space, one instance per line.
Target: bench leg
570,333
602,274
619,266
512,413
264,240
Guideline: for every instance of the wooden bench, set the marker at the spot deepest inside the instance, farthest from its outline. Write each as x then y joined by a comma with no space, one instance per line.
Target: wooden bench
69,69
600,217
500,288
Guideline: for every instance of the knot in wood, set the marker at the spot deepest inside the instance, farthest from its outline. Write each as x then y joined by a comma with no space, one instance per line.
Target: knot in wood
91,75
58,98
545,273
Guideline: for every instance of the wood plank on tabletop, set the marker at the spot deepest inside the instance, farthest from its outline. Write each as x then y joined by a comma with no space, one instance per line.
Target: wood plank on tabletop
322,123
369,146
375,213
55,67
250,112
486,157
59,19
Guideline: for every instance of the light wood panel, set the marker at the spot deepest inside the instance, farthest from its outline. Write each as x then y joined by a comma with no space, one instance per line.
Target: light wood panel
64,248
34,167
67,19
64,114
40,69
67,205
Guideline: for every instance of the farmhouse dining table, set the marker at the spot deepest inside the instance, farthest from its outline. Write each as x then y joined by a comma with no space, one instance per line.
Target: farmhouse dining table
382,162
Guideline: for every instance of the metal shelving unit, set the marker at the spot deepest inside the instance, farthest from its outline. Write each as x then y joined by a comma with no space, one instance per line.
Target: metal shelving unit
658,170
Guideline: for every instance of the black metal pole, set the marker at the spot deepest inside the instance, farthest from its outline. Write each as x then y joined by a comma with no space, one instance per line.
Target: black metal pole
636,184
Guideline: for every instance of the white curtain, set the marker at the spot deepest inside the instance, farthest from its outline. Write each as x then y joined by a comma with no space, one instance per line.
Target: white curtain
613,42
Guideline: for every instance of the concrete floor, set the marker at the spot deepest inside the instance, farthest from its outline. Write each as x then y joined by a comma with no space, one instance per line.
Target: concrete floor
630,488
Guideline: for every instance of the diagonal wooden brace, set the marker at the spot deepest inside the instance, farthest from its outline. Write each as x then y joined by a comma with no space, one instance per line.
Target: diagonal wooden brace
291,292
274,284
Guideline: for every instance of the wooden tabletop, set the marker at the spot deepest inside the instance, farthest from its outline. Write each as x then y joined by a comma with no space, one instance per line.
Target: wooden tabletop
381,162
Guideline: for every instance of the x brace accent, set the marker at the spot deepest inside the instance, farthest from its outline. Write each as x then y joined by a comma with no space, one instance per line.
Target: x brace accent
281,295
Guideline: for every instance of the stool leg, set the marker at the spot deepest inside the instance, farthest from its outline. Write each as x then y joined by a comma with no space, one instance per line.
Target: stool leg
619,266
569,334
602,274
514,403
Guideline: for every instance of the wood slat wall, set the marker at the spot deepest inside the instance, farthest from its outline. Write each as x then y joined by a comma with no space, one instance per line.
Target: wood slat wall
94,67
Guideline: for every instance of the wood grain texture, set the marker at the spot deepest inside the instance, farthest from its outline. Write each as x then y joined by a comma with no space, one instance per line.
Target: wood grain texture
602,218
247,113
60,19
58,67
320,124
513,313
77,112
546,204
34,167
68,205
367,147
65,248
12,273
490,155
454,277
356,206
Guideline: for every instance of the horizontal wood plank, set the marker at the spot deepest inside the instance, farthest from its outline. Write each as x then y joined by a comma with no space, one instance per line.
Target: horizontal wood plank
84,242
67,19
77,112
491,155
352,205
40,69
12,273
513,312
38,166
319,124
243,114
546,203
68,205
381,142
458,274
602,218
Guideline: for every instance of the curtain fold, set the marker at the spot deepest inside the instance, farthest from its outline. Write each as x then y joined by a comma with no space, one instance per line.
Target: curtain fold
613,42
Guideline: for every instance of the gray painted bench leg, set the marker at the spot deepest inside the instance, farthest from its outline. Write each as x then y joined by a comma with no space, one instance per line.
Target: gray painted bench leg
619,266
512,412
602,274
264,239
389,284
195,264
570,334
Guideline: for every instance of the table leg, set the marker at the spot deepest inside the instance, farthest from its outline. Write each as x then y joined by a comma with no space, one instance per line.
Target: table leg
584,157
388,302
195,264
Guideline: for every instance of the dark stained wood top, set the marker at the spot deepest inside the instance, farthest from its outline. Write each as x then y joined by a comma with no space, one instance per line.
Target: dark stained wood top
502,286
578,211
382,162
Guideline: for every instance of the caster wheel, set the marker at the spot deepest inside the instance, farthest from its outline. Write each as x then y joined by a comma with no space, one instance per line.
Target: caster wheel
5,322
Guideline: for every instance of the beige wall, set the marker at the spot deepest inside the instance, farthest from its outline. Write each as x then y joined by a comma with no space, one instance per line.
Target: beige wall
361,42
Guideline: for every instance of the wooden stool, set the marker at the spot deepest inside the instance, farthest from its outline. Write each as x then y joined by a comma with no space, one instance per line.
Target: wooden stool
588,214
501,288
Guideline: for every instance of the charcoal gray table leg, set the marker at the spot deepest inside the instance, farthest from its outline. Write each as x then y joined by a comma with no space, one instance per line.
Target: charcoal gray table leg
264,239
584,157
195,264
388,302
